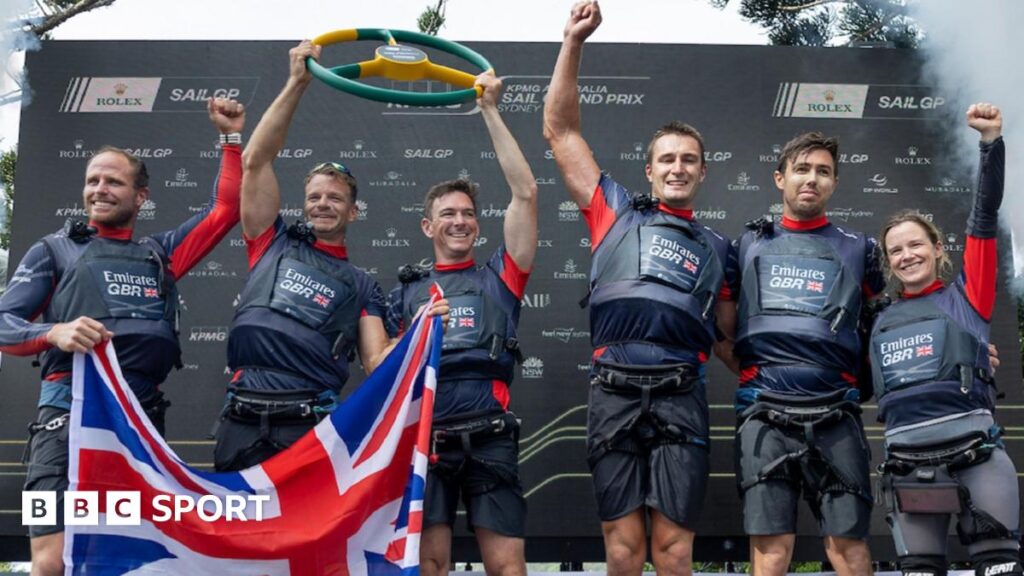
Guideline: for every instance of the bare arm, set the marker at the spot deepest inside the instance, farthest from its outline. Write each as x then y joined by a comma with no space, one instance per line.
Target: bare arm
725,315
575,160
261,196
521,218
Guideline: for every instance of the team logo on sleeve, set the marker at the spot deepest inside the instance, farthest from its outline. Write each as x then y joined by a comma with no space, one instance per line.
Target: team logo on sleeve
795,284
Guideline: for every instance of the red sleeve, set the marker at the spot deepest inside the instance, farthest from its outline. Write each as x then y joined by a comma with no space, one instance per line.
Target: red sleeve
599,217
258,246
514,278
725,293
193,241
980,265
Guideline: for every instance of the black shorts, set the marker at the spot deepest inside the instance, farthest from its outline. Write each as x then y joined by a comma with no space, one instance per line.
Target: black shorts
770,506
488,482
48,463
641,466
239,445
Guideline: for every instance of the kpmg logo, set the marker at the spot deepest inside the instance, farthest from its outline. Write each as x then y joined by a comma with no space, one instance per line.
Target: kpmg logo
710,214
568,211
805,100
295,153
181,180
428,153
71,211
212,269
492,211
564,335
570,272
522,97
533,367
878,184
393,179
743,184
358,151
391,240
289,211
536,300
78,150
208,334
912,158
636,153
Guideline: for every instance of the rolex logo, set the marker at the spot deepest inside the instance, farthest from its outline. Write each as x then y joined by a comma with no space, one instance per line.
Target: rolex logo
391,232
79,144
638,146
358,144
830,95
120,88
776,148
912,151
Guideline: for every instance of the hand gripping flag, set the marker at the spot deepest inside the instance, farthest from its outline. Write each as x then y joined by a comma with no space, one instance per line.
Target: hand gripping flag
347,498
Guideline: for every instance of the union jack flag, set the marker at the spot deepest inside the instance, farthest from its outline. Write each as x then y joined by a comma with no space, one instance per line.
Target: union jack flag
690,266
322,300
347,498
150,292
467,322
924,350
815,286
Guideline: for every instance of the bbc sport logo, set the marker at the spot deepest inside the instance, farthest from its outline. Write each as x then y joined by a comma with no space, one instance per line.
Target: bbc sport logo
124,508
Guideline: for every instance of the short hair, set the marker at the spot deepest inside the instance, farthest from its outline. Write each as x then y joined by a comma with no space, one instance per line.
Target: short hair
141,176
809,142
331,170
464,185
680,129
943,267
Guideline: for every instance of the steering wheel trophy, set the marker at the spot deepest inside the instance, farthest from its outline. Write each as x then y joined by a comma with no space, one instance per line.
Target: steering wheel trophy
400,62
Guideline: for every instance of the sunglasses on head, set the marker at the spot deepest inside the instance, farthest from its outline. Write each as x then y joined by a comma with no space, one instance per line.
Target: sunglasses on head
337,166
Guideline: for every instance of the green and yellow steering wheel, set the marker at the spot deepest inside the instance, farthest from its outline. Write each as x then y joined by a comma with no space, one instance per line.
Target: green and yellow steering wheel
400,62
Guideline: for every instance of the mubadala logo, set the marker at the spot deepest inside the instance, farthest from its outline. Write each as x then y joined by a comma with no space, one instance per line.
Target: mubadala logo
879,185
289,211
568,211
743,184
181,180
492,211
570,272
295,153
358,150
428,153
393,179
150,152
391,241
637,153
564,335
147,211
912,158
212,269
362,206
208,334
772,158
533,367
710,214
948,184
719,156
71,210
78,150
536,300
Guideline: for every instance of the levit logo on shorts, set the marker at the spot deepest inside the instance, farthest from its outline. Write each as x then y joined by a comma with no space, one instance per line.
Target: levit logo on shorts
124,508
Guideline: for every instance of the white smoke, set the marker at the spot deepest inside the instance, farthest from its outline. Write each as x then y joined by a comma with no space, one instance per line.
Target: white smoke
14,41
971,54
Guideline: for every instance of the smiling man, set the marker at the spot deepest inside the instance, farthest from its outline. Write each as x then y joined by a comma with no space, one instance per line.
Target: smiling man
799,352
657,284
475,448
305,309
93,282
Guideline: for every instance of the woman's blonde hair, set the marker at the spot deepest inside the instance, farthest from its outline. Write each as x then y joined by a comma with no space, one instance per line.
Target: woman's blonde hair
943,267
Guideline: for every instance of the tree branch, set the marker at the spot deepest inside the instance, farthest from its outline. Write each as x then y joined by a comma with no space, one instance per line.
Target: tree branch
53,20
813,4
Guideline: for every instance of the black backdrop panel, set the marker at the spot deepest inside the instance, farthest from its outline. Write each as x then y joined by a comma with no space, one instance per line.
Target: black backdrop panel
747,101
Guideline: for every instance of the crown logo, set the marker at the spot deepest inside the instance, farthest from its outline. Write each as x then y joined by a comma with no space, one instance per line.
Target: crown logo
912,151
357,144
391,232
78,144
776,148
830,95
120,88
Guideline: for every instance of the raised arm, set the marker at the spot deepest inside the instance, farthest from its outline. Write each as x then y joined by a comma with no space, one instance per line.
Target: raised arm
521,218
575,160
980,258
193,239
261,197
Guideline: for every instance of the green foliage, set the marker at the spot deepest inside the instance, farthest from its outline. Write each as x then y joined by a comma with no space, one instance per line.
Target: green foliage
8,163
432,18
831,22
